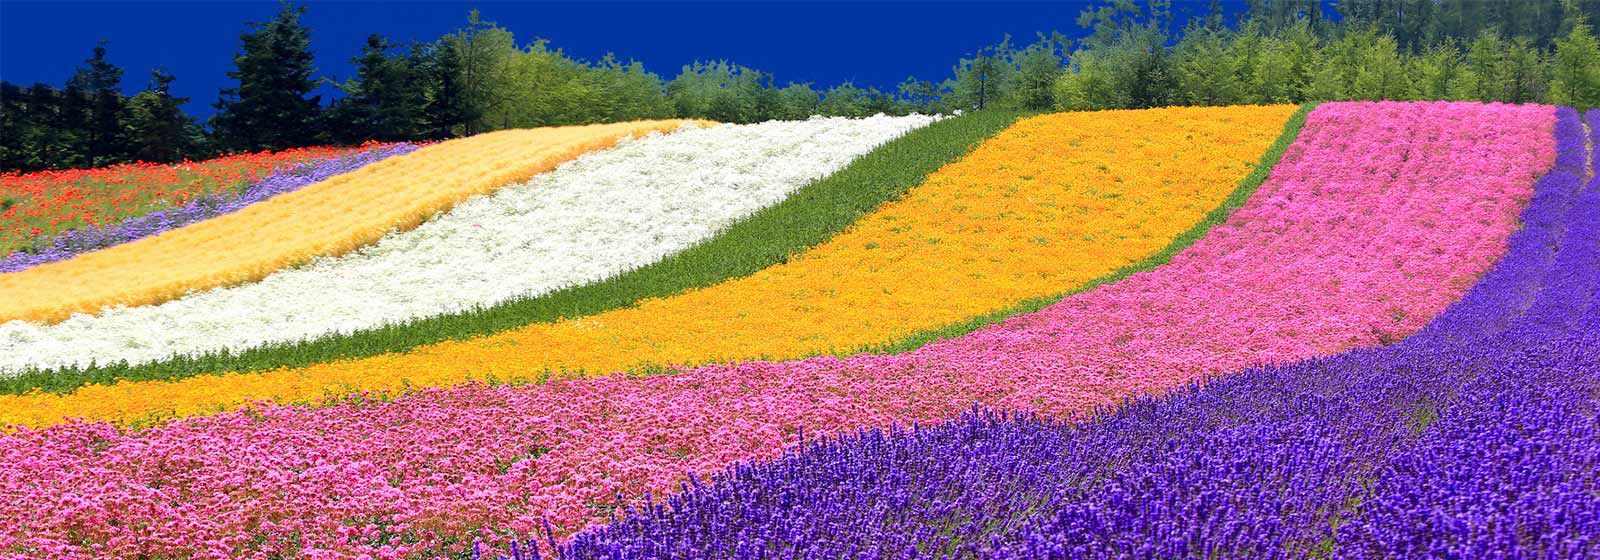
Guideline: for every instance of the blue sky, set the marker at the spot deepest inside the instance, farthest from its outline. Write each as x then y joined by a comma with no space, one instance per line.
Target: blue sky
878,43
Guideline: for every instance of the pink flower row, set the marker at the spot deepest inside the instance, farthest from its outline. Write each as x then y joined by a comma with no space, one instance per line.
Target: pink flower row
1379,216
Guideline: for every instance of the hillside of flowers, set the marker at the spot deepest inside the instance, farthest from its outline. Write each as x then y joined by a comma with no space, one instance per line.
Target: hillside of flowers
1475,437
329,218
1343,330
40,206
647,199
75,242
900,237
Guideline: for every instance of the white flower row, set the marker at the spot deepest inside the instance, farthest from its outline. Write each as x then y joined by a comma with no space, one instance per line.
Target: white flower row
590,219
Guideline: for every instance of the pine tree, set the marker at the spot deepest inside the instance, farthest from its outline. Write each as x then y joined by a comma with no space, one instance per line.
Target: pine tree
636,93
448,111
1148,79
979,82
1432,71
269,108
1379,73
845,100
709,90
1575,68
1205,70
44,140
1037,68
15,129
1522,78
382,102
71,125
798,101
921,95
158,129
102,133
1477,77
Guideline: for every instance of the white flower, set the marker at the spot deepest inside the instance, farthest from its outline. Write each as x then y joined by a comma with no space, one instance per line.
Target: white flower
595,217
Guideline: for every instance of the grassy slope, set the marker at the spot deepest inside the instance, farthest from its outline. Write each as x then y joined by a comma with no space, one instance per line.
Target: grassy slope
808,217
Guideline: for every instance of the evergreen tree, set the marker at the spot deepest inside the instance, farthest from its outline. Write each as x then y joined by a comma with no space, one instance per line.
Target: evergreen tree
1478,75
447,111
383,102
758,96
1522,78
1206,70
1087,84
158,129
920,95
979,82
270,109
1274,15
1037,68
15,128
545,88
1379,73
70,122
1575,68
708,90
1124,62
1432,71
634,92
798,101
102,131
44,143
1418,25
846,100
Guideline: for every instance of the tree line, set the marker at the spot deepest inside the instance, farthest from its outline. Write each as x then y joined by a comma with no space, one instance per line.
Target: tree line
479,78
1289,51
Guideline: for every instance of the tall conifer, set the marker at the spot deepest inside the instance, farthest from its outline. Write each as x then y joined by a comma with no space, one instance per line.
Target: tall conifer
272,106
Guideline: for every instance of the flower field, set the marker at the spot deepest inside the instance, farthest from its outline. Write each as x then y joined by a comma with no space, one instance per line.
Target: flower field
648,199
327,219
1473,438
39,206
75,242
1353,330
901,238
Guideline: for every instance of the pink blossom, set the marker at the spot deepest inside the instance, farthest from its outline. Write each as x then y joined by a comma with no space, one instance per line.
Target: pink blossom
1379,216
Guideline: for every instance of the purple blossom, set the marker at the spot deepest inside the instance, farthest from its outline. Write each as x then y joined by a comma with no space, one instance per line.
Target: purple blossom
203,207
1476,437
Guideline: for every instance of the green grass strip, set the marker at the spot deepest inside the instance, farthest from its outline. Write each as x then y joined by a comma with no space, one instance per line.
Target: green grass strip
1218,215
810,216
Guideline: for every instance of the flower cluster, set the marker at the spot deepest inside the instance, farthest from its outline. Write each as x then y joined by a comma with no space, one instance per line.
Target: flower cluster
38,206
203,206
1046,206
592,218
1474,438
329,218
1394,208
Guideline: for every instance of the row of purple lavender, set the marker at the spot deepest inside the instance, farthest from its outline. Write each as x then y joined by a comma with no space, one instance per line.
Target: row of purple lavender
203,207
1477,437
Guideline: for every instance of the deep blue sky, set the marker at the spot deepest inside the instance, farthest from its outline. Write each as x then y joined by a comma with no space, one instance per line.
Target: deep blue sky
825,43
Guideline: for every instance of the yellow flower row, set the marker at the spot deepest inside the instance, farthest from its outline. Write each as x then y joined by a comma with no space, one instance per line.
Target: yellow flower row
1042,208
329,218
